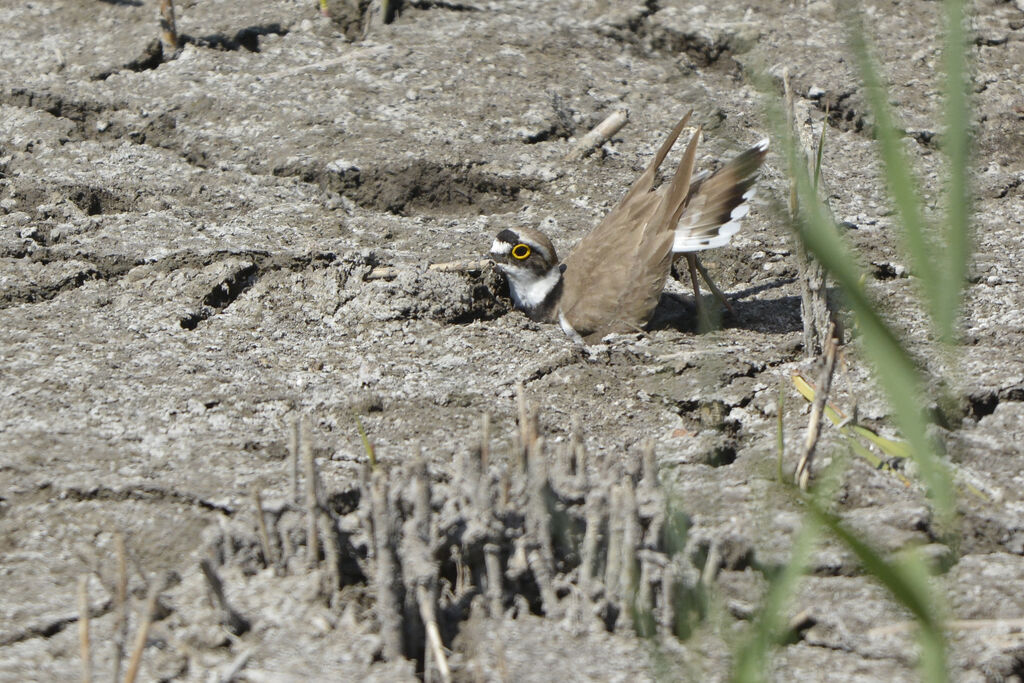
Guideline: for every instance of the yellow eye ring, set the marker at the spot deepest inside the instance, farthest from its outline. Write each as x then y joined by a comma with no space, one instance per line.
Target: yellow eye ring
521,252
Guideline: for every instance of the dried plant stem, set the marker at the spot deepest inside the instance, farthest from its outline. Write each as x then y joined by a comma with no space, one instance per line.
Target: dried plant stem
579,452
312,497
614,547
538,527
429,616
815,310
389,586
628,580
293,460
332,548
596,503
600,134
803,468
485,443
120,605
135,661
261,528
236,667
168,29
84,647
669,583
495,589
391,272
232,620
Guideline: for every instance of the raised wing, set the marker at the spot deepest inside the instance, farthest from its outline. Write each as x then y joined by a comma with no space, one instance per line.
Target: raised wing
718,203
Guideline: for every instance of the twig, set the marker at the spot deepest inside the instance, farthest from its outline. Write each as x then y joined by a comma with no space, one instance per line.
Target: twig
1012,625
712,563
803,468
236,667
168,30
261,528
391,272
649,463
485,443
429,616
142,634
815,311
613,548
598,136
388,584
120,605
84,647
596,503
492,565
630,576
538,522
235,622
312,498
293,459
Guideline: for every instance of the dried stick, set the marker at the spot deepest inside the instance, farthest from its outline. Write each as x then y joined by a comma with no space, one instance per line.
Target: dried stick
485,443
644,603
84,648
649,476
601,133
141,635
613,551
803,468
120,605
293,460
332,548
235,622
391,272
236,667
1013,625
596,503
712,563
389,586
312,500
579,452
168,30
815,310
261,528
669,584
492,564
429,616
538,526
481,498
629,577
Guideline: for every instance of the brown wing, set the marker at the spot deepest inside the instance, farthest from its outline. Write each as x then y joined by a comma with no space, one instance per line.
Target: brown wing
615,275
717,203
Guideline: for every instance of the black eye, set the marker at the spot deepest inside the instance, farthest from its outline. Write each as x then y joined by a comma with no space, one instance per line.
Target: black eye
520,251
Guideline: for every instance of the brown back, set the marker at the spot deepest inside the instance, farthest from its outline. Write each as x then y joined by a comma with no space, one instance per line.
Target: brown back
615,275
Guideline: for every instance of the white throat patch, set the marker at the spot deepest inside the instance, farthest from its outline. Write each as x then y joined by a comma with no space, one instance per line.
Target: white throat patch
528,290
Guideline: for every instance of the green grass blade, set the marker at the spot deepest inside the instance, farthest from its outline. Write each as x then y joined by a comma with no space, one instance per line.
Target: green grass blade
371,453
956,144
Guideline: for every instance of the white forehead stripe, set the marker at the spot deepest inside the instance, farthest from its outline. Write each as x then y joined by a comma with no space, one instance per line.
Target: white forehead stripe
499,247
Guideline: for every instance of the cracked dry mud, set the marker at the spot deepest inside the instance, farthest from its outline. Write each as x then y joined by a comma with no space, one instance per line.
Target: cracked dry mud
184,258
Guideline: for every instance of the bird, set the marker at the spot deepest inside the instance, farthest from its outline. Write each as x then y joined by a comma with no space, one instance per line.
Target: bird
613,278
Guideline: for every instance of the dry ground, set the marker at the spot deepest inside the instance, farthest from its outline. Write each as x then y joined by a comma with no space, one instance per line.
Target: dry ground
183,257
